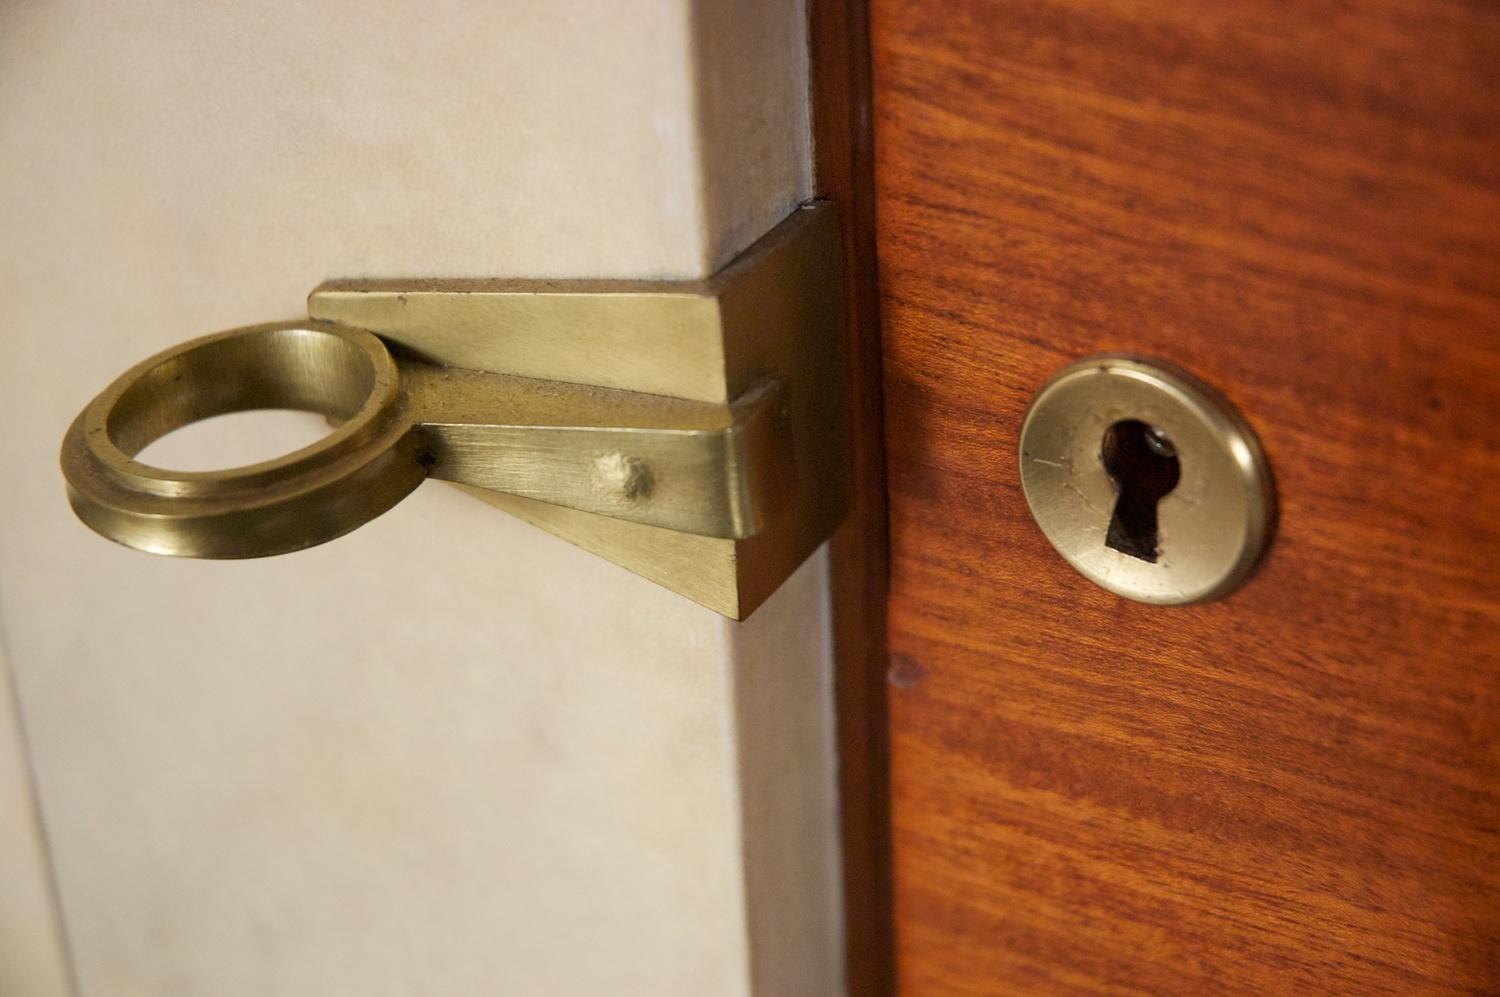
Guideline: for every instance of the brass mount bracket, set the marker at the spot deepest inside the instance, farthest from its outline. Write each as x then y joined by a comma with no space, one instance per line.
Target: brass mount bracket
693,432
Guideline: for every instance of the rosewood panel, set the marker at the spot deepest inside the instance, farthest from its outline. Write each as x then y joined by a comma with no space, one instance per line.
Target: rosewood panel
1296,789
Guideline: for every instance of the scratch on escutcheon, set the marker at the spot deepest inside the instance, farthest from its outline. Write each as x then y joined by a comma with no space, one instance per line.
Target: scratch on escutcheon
1082,497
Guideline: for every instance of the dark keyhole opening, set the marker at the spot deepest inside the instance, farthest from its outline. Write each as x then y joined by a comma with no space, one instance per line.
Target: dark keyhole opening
1143,465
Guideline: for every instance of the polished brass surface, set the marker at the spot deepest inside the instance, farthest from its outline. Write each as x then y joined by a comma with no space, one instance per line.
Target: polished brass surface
777,309
360,470
1214,506
690,431
685,466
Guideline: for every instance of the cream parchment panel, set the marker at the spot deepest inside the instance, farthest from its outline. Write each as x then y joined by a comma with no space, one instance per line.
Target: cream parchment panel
32,959
446,754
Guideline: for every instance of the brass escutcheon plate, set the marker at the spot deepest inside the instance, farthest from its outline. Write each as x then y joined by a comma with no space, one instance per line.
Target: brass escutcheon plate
1194,531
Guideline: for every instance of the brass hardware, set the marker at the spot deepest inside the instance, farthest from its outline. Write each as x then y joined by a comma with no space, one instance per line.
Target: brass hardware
690,431
1146,480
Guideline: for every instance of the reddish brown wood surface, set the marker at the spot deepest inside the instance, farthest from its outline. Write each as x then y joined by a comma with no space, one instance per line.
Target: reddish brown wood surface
1296,789
839,35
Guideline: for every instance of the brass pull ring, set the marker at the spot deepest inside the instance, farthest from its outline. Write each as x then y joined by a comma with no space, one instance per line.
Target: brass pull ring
691,431
715,470
365,466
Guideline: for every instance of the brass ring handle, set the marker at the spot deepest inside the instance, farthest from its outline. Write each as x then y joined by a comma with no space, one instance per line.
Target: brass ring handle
695,467
365,466
694,432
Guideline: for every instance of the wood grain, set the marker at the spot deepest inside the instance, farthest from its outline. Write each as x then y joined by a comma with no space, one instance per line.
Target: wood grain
1296,789
839,56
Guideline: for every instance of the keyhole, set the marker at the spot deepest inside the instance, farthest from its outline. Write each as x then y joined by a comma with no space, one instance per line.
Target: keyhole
1143,464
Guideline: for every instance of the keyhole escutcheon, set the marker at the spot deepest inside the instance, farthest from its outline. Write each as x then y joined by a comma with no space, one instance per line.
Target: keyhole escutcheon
1145,430
1143,464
